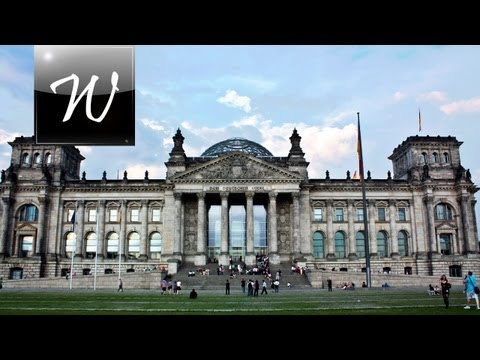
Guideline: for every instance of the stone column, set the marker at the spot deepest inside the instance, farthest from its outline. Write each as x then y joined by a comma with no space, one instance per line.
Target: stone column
201,257
372,233
454,245
224,216
272,224
249,195
123,229
296,224
178,224
80,216
461,248
144,233
40,239
393,230
470,246
306,241
330,236
7,201
352,248
431,243
101,229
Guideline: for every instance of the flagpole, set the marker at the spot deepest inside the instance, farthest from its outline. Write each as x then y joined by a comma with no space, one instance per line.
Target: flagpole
96,255
419,121
73,255
120,243
365,220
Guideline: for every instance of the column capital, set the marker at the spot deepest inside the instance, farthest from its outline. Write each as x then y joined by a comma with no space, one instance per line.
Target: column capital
392,202
295,195
7,200
350,202
272,195
201,195
80,203
224,194
428,198
249,194
177,196
101,203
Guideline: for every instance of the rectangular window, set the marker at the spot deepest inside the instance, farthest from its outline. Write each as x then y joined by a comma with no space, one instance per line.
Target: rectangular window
359,214
318,214
381,214
156,215
27,243
70,213
339,214
92,215
134,215
113,215
402,214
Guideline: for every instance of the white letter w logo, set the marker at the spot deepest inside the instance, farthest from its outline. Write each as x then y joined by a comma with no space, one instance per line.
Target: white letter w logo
89,88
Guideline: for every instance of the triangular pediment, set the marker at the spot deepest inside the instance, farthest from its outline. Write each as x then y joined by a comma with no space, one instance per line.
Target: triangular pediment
236,166
446,226
27,228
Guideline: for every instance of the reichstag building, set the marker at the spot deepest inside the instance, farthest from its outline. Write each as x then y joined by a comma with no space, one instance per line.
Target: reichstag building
237,200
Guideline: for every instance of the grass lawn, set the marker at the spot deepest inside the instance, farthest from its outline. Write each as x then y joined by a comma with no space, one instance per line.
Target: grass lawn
212,302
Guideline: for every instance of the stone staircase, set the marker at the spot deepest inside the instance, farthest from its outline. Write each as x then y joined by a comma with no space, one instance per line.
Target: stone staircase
217,282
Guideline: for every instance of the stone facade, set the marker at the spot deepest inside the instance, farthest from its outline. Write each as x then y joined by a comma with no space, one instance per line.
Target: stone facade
237,201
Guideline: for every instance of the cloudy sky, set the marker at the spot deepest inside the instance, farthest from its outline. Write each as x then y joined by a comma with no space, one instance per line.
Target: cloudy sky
262,93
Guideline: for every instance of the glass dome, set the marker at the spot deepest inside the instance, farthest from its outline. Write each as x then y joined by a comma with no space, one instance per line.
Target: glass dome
237,144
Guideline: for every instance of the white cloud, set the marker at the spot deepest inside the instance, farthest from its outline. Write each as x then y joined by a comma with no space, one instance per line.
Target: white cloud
6,136
232,99
152,124
433,96
247,121
399,96
325,147
335,118
470,105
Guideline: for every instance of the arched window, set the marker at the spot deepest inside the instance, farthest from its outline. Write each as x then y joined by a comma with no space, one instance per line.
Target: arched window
28,213
360,242
435,157
382,244
318,244
26,159
133,245
340,252
402,243
70,244
48,158
446,157
443,212
112,245
425,158
155,245
37,159
91,246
